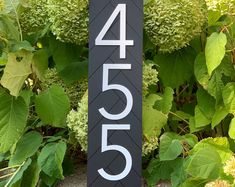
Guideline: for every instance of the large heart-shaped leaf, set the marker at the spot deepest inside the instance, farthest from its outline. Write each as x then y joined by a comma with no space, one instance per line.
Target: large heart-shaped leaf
13,117
53,106
215,50
51,158
26,147
176,68
170,146
18,68
205,164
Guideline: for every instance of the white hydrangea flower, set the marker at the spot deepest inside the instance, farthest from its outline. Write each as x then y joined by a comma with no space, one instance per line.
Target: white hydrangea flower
171,24
77,121
69,20
223,6
33,16
229,167
149,77
218,183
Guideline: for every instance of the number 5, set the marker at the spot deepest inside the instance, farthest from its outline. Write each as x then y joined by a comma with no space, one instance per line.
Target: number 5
123,89
105,147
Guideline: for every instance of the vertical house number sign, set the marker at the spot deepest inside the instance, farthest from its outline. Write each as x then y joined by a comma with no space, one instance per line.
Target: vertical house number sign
115,93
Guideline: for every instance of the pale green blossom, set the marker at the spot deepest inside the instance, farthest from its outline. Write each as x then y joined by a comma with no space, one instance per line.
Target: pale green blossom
229,167
77,121
223,6
218,183
149,145
33,16
149,77
69,20
171,24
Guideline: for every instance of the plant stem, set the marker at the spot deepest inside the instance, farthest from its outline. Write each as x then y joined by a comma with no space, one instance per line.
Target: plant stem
11,167
231,50
179,117
5,176
12,177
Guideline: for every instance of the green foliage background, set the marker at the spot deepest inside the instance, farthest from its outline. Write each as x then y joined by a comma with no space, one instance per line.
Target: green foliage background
188,91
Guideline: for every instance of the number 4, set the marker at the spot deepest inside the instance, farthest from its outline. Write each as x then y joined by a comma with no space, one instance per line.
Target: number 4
121,8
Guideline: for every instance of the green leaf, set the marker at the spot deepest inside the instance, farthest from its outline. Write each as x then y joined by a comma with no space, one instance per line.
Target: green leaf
64,53
8,29
220,113
178,175
18,174
206,103
3,59
200,70
226,67
170,146
3,183
22,45
213,17
200,119
220,145
205,164
53,106
192,125
215,50
153,120
26,95
40,63
176,68
151,100
16,71
191,139
26,147
31,175
191,182
181,115
157,171
13,115
165,170
215,86
51,158
165,104
47,181
231,131
229,97
74,72
10,7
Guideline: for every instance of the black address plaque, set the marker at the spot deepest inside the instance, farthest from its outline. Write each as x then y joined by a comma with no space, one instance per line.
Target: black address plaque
115,93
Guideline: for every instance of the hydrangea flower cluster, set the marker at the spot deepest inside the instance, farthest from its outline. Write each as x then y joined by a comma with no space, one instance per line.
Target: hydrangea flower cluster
69,20
33,16
149,77
149,145
223,6
171,24
229,167
77,121
218,183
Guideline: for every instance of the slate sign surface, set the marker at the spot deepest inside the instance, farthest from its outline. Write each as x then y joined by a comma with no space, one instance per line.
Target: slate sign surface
115,93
